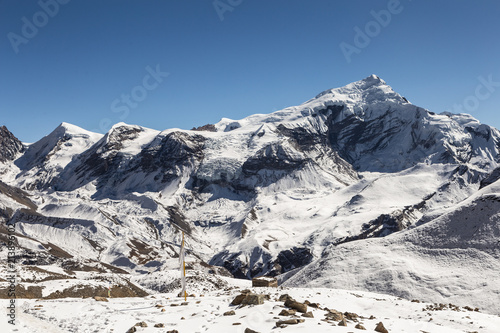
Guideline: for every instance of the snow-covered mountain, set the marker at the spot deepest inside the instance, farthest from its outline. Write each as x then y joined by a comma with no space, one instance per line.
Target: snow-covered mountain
46,158
453,258
262,195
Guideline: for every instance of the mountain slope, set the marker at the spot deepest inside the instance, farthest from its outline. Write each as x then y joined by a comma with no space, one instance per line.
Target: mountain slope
454,258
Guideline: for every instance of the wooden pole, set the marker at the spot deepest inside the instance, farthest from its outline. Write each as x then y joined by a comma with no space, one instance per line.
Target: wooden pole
184,267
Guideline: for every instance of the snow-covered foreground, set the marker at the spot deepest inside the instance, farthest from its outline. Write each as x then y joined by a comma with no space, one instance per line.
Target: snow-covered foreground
204,313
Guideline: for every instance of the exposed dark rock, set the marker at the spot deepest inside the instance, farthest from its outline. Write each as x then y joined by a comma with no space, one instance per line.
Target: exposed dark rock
287,312
351,316
207,127
282,323
22,292
491,178
293,258
304,139
308,315
18,195
300,307
248,330
380,328
272,157
360,327
356,138
238,299
285,297
176,149
105,163
10,146
253,299
334,315
240,269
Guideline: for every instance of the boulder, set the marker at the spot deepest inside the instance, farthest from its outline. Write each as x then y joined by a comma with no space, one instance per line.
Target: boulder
253,299
308,315
284,297
343,322
351,316
238,299
249,330
380,328
301,307
360,327
287,312
100,299
229,313
334,315
289,322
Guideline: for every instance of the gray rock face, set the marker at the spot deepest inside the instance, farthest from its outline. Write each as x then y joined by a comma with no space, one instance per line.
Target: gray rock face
108,166
400,138
10,146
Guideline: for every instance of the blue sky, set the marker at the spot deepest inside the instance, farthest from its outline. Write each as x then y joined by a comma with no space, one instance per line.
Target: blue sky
233,58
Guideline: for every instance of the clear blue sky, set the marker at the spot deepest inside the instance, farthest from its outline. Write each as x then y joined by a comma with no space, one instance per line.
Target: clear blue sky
263,56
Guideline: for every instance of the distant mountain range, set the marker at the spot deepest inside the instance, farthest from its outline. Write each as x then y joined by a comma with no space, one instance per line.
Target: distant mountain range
356,188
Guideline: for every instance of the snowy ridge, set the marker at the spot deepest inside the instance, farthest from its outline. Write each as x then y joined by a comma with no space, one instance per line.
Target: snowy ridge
44,159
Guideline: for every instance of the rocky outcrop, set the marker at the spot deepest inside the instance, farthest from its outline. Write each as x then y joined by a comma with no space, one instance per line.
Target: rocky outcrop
10,146
491,178
380,328
264,281
294,258
248,298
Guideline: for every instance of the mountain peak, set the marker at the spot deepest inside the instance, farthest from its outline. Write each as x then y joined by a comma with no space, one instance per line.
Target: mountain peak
371,85
60,145
67,128
372,80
